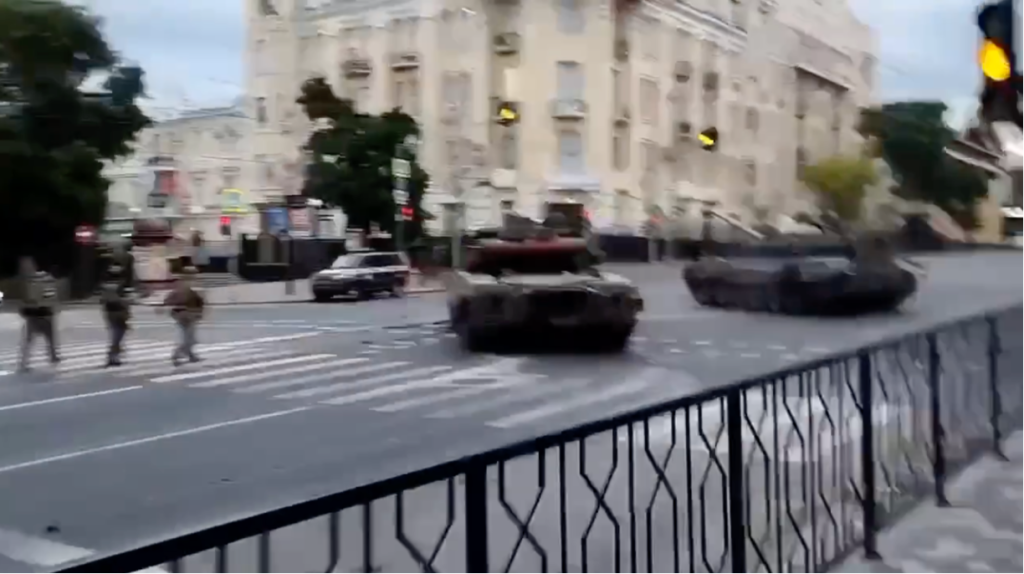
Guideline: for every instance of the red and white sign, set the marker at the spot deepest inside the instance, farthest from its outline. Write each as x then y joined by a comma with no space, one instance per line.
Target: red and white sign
85,234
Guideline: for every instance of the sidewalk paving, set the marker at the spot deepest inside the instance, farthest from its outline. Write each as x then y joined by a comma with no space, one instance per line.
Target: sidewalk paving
273,293
980,532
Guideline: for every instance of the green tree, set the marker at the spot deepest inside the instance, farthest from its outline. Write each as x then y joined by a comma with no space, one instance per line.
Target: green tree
910,137
55,135
840,184
351,154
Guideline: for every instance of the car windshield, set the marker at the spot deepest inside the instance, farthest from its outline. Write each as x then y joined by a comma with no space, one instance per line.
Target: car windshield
346,262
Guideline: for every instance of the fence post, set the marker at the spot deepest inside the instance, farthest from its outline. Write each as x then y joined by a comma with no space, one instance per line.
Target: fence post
737,506
476,519
938,434
867,455
994,350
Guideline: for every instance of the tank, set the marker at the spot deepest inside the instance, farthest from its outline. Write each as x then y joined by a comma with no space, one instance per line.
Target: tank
871,278
529,283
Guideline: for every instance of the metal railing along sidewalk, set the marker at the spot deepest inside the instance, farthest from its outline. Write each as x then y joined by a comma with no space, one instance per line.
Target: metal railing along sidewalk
790,471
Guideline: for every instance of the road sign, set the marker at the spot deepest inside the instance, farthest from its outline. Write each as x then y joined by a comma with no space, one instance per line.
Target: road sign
401,197
401,168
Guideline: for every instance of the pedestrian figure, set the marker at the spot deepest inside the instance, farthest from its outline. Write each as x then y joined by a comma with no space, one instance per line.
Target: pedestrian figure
187,307
39,309
117,312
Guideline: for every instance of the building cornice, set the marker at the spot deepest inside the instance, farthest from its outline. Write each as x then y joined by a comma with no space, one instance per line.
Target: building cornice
700,23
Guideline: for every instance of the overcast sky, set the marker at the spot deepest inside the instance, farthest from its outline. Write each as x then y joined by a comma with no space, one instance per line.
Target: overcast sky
192,49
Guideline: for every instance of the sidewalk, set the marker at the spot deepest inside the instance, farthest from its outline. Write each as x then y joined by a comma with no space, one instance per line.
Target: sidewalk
980,532
274,293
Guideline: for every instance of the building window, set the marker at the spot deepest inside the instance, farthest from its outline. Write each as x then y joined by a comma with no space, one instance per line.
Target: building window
752,120
570,81
363,99
509,149
457,90
398,98
507,206
801,161
650,37
570,152
261,111
570,16
750,172
621,207
649,100
412,96
620,150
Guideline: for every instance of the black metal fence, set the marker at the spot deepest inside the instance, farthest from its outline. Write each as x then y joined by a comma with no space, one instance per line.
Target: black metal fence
786,472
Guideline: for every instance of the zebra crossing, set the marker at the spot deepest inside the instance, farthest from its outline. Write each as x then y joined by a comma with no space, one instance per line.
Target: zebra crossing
501,392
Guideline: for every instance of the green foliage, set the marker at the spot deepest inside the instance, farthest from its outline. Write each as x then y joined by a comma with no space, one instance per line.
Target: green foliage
911,137
351,156
54,136
840,183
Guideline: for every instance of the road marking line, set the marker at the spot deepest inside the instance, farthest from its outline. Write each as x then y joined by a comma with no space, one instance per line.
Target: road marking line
433,399
362,383
221,359
548,410
273,373
522,395
39,551
159,364
86,351
67,398
702,343
147,440
440,381
238,368
750,355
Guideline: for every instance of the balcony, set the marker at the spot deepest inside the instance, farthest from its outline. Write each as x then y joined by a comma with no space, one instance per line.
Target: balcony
357,67
405,60
568,109
506,44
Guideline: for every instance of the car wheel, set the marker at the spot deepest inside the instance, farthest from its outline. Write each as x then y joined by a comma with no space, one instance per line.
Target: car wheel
321,297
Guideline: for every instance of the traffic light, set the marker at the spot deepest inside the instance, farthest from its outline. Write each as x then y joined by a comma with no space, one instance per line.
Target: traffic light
708,139
225,225
997,59
508,113
406,213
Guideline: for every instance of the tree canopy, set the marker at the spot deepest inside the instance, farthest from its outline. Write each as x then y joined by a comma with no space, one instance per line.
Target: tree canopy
840,184
351,155
55,135
910,137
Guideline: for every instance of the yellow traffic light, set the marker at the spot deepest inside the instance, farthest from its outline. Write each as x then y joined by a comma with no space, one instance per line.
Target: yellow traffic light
507,114
708,138
994,62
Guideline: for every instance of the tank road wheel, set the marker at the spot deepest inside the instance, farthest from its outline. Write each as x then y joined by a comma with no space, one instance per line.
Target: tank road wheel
470,339
701,294
773,298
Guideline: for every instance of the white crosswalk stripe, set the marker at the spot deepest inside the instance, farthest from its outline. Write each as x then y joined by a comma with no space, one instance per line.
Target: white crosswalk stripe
501,392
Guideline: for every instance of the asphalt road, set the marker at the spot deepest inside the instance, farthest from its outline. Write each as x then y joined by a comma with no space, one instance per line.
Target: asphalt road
301,400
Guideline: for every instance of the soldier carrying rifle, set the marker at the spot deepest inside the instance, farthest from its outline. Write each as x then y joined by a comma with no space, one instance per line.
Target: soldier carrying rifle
117,312
39,309
187,307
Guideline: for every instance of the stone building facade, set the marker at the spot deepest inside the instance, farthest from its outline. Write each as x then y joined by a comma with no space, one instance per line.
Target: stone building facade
610,95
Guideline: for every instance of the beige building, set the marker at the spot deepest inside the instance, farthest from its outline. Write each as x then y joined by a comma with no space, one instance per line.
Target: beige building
610,96
181,168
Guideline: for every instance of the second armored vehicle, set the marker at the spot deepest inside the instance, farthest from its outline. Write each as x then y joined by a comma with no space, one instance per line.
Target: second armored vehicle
870,279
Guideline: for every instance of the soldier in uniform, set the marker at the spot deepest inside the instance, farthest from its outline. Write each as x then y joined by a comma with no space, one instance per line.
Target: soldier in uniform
117,312
39,308
186,309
